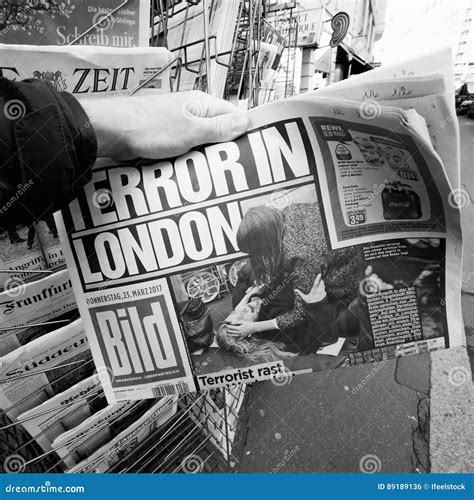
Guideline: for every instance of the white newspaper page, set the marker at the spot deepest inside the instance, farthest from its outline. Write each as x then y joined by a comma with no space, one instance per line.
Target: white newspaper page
26,307
424,83
88,71
205,264
62,412
103,459
43,368
82,440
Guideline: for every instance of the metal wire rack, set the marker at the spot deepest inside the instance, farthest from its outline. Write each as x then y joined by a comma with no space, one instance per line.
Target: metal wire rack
204,434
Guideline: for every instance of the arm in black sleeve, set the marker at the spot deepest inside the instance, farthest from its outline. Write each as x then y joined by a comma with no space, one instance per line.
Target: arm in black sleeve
47,149
322,323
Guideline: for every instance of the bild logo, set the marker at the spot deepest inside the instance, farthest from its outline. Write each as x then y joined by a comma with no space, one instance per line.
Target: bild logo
135,337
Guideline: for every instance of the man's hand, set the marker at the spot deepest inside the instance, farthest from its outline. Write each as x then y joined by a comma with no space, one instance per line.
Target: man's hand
155,126
317,292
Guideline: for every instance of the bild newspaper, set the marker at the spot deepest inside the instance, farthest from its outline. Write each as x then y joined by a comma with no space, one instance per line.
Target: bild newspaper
325,237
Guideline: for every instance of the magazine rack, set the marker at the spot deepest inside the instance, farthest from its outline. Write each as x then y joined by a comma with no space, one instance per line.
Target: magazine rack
200,437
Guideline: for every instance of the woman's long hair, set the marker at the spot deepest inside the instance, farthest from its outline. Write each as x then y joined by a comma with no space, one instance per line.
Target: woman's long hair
251,348
260,234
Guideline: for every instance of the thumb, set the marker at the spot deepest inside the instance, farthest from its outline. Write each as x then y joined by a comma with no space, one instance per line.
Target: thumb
301,294
221,128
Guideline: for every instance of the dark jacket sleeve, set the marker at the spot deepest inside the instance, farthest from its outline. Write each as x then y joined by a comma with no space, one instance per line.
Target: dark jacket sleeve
47,149
322,323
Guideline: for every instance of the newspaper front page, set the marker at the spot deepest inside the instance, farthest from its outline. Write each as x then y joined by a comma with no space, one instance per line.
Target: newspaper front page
321,238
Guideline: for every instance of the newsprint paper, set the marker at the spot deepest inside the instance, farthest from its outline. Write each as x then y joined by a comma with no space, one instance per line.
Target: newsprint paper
324,237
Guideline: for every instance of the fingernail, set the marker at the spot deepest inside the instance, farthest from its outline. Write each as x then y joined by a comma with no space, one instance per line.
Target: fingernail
240,123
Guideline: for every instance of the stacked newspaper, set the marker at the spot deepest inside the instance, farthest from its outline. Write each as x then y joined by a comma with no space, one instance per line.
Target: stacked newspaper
64,411
43,368
29,310
150,418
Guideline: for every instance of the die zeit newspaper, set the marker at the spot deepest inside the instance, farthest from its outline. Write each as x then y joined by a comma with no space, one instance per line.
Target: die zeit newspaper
185,269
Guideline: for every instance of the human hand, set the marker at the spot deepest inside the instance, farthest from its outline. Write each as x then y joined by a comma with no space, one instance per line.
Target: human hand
250,292
242,330
317,292
154,125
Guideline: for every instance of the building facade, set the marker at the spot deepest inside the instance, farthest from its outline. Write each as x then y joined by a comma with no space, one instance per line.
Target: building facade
309,62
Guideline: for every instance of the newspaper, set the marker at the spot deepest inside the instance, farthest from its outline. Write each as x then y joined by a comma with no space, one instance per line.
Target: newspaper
72,21
317,195
82,440
33,247
103,459
424,83
216,413
88,71
26,307
63,412
43,368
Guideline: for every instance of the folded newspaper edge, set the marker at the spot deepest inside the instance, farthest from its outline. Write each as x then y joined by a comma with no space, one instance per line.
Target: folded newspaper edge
64,411
105,457
25,371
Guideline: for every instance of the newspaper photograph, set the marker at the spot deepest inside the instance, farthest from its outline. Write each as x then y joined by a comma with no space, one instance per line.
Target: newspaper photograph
62,23
317,240
34,247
